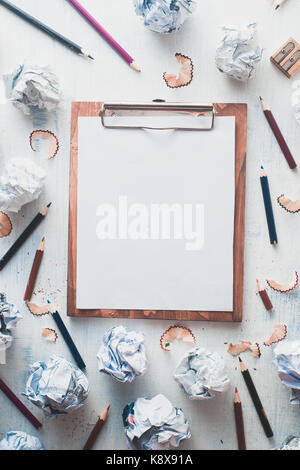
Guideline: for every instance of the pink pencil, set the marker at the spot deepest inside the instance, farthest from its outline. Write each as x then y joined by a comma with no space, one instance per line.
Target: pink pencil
105,35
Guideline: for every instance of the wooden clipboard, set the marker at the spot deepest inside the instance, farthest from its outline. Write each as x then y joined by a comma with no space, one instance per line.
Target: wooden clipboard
222,109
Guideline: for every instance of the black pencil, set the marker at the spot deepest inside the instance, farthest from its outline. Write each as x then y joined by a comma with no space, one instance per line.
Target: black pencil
268,206
256,400
23,237
38,24
66,335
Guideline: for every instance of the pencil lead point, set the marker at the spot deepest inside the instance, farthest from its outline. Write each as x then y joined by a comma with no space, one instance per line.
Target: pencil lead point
277,6
43,239
50,203
240,359
91,57
261,166
235,390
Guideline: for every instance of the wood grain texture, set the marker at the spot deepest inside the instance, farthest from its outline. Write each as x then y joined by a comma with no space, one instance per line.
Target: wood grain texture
222,109
211,421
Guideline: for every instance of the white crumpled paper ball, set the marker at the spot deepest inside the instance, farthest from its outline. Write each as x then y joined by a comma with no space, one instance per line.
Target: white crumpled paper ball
18,440
287,362
21,183
235,55
202,374
154,424
122,354
33,87
9,317
57,387
164,16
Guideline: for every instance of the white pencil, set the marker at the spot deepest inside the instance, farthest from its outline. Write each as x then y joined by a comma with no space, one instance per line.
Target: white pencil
279,4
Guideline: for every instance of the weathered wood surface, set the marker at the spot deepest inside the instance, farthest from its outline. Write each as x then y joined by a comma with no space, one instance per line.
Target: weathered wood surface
212,422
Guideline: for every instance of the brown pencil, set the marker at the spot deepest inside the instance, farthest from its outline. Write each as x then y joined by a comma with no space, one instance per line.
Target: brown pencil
277,133
15,400
264,297
239,421
97,428
34,270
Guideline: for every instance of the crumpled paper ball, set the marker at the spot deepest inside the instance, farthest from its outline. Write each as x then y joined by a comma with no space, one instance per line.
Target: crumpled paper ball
57,387
287,362
9,317
235,56
164,16
22,182
122,354
154,424
296,100
18,440
33,87
291,443
201,374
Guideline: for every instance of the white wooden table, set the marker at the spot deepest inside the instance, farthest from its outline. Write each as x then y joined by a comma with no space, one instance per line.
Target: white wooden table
109,78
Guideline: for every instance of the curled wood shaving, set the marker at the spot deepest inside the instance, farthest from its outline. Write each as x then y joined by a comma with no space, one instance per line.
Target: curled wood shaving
278,334
283,288
290,206
185,75
39,310
5,225
49,335
53,141
237,349
176,332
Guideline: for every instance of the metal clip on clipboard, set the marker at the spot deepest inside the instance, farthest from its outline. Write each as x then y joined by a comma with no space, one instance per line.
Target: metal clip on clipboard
197,117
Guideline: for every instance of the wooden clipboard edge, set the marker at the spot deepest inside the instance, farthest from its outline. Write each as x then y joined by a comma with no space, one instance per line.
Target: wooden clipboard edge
222,109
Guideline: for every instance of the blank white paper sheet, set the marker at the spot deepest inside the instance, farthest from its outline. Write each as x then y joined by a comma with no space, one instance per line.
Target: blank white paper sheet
155,218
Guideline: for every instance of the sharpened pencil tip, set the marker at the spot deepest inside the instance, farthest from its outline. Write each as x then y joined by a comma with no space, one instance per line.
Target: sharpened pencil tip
50,203
240,359
90,57
235,390
261,166
277,6
43,239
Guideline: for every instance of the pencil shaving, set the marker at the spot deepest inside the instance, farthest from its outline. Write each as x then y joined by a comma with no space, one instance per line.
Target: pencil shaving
176,332
5,225
284,288
49,335
237,349
185,76
278,334
48,135
39,310
290,206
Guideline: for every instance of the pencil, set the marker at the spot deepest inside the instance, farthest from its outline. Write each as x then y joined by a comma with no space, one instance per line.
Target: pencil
34,270
279,4
15,400
256,400
278,135
97,428
70,343
108,38
38,24
268,206
239,421
23,237
264,297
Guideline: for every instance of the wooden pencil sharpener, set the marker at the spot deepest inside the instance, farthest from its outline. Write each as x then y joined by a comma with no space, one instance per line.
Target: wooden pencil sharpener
287,58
